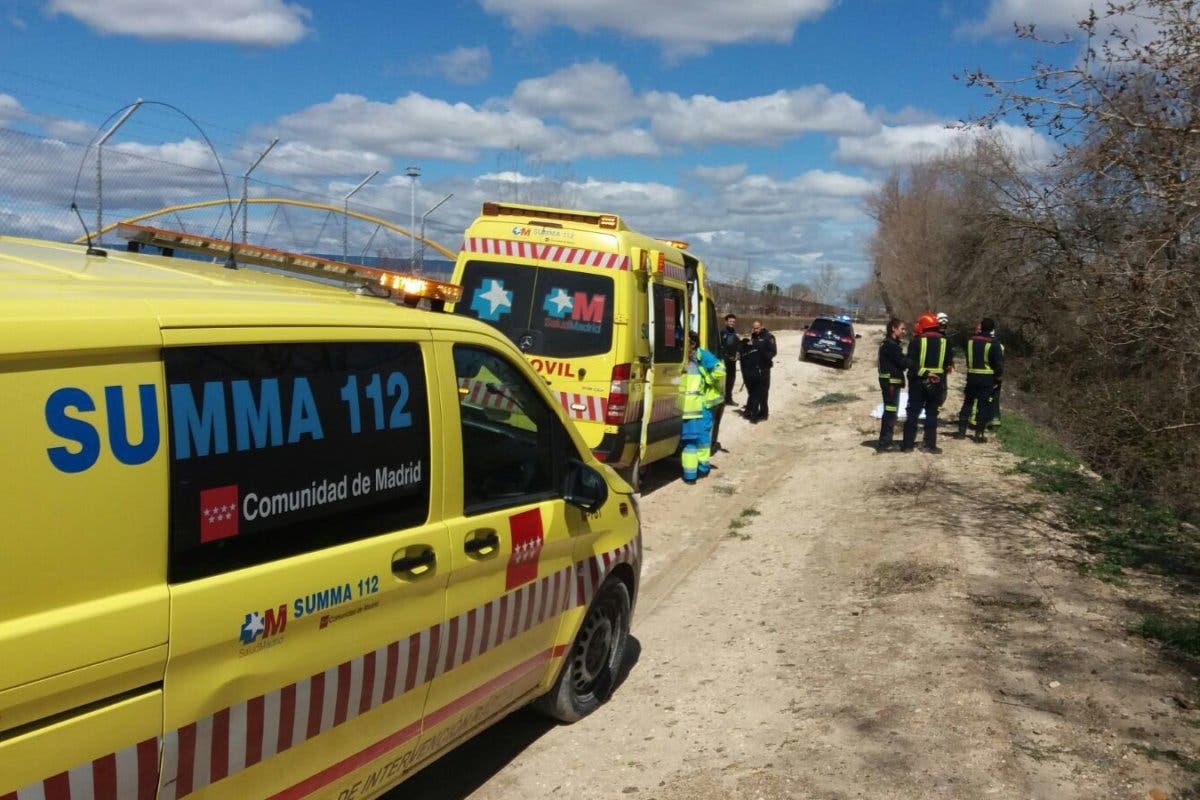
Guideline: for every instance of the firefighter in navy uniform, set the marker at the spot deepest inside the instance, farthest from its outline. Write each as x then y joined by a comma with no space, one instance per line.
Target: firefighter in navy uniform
929,359
985,369
892,366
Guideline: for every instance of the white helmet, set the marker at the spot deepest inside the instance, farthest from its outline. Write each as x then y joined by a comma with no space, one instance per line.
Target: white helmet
943,318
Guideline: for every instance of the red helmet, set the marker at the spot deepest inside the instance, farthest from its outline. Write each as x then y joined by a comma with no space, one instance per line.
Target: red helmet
925,322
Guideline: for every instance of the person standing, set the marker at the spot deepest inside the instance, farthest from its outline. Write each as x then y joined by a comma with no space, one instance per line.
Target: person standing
758,354
943,324
892,366
985,369
731,347
701,390
929,358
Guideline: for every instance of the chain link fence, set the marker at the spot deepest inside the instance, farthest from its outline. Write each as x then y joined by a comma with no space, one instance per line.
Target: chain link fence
44,176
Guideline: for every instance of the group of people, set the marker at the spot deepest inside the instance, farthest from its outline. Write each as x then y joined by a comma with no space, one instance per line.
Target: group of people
924,367
707,387
756,354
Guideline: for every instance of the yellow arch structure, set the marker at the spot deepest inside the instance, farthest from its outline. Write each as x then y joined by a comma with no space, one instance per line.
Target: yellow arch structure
282,201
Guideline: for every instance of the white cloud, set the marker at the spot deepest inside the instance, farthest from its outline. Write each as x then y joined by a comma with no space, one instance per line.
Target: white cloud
268,23
895,146
299,159
464,65
414,126
833,184
593,96
681,28
10,110
1052,17
766,119
720,175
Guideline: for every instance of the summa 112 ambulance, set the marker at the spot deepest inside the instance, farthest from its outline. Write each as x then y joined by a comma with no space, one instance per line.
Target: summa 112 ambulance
601,312
272,539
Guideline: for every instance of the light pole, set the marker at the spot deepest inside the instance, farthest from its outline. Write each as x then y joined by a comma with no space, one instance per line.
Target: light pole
346,213
100,165
423,216
246,186
413,173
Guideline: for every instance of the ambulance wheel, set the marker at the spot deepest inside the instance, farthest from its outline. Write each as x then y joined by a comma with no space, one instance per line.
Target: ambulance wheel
589,673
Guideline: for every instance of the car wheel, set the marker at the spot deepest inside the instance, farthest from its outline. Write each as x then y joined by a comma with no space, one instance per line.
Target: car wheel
589,673
847,361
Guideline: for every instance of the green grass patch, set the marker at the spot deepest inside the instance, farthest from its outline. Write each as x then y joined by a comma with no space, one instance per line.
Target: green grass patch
750,512
1120,531
1180,635
834,398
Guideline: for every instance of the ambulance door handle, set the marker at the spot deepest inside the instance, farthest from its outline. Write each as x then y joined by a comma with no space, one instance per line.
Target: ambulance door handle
482,543
415,561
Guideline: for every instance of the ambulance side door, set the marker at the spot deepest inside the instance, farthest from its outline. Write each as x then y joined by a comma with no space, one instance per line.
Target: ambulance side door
512,569
307,561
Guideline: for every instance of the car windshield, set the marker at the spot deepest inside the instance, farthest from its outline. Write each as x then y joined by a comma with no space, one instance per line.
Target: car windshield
544,310
831,327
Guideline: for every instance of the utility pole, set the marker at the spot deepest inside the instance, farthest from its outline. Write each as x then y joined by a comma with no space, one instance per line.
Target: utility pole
413,173
246,186
423,216
100,166
346,214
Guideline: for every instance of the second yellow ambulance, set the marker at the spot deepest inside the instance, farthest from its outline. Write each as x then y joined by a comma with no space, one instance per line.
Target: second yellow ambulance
601,311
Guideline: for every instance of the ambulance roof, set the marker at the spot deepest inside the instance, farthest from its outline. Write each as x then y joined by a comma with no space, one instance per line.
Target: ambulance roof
51,282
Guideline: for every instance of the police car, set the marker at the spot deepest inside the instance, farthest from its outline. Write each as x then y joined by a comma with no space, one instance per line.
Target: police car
830,339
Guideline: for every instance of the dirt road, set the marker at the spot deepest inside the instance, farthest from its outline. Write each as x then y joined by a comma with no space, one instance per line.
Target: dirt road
818,621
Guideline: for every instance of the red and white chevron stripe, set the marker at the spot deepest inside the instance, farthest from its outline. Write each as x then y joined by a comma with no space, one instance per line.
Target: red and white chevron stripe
546,252
665,408
129,774
477,395
236,738
589,408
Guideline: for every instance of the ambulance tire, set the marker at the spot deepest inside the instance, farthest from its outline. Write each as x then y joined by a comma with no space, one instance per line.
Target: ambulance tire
593,664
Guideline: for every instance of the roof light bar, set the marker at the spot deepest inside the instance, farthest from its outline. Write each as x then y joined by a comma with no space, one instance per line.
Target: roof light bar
535,214
678,244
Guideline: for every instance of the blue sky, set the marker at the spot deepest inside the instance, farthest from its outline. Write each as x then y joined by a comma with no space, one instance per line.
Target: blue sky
752,128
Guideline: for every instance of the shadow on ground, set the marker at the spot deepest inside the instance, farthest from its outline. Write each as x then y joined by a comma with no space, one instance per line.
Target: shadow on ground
463,770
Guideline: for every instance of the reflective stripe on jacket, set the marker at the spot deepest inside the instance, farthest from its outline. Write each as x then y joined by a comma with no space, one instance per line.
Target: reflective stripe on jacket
924,367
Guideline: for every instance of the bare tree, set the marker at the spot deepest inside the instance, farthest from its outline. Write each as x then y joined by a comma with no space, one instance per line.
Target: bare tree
827,283
1109,238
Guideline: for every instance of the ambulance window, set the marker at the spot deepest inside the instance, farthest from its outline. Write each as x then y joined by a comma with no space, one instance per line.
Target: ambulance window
668,324
511,438
499,294
573,313
280,449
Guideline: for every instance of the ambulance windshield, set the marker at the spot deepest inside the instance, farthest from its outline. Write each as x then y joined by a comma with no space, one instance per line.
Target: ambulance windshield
545,310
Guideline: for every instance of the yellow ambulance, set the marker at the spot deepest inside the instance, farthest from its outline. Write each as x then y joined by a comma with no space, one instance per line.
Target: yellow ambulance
601,311
272,539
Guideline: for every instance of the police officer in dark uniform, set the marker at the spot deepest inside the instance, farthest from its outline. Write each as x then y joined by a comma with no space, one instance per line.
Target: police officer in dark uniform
758,353
892,366
985,369
929,359
731,347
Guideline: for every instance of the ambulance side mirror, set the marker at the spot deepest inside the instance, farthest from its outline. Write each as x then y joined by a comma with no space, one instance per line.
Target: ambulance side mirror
584,486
